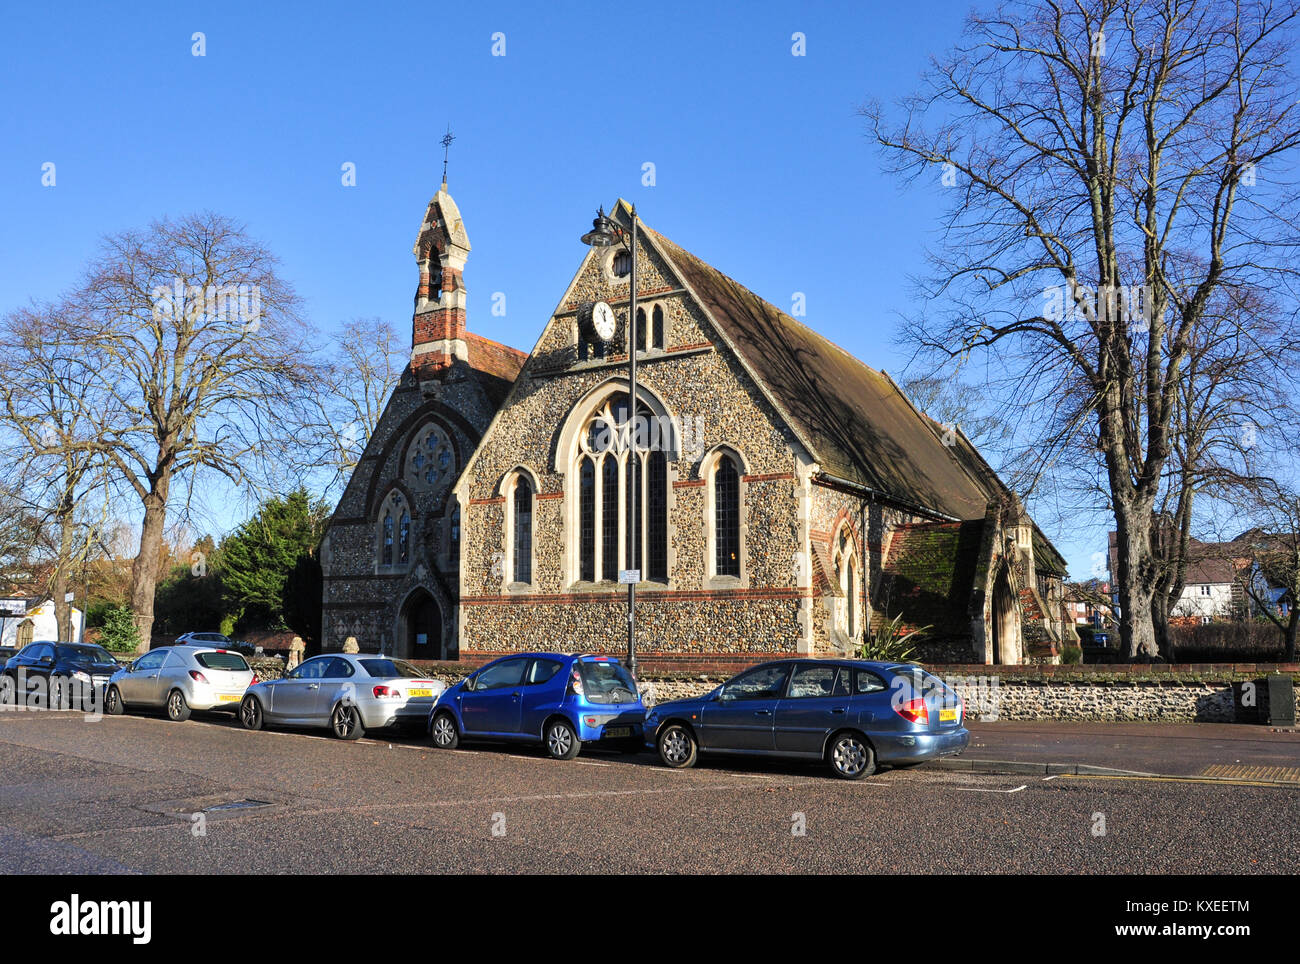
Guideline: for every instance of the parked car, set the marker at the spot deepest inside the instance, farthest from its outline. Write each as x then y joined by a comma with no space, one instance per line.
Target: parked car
347,692
852,714
6,652
219,640
64,672
181,679
559,701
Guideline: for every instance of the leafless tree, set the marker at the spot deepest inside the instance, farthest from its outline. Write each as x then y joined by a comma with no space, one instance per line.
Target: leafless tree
196,344
1115,166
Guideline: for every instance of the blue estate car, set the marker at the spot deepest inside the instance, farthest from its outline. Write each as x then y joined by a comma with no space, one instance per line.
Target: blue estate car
851,714
557,700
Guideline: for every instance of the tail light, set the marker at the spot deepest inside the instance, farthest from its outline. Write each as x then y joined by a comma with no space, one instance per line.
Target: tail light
914,711
575,683
197,676
386,692
254,681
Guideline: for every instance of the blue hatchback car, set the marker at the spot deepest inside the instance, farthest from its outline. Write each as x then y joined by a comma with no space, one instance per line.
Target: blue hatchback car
559,701
851,714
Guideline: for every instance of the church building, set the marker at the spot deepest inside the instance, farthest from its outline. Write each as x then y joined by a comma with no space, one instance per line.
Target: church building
786,498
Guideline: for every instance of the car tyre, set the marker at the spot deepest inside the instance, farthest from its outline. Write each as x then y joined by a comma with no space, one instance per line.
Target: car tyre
178,711
60,693
250,713
562,742
345,722
443,731
850,756
113,704
677,746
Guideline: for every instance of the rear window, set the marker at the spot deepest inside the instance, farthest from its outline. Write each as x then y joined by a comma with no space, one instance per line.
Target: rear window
392,668
229,661
607,682
922,684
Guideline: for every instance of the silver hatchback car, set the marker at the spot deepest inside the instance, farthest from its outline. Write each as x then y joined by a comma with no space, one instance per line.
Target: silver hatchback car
347,692
181,679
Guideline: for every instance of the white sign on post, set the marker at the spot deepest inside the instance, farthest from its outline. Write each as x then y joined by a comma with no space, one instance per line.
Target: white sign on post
68,596
629,576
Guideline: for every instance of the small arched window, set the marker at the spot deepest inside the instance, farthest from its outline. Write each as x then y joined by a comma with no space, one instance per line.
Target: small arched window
523,530
640,329
657,327
394,531
587,519
622,265
404,539
726,522
453,540
386,554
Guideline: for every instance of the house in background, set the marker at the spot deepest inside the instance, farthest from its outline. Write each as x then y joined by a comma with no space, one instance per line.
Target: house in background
1212,586
32,619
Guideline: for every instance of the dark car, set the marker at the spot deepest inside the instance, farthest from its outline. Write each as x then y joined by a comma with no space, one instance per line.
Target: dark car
559,701
851,714
68,675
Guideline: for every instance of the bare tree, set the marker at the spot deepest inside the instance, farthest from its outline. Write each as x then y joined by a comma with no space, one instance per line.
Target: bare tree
1110,165
196,343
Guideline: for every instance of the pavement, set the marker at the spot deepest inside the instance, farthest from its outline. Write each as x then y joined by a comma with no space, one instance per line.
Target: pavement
139,794
1200,750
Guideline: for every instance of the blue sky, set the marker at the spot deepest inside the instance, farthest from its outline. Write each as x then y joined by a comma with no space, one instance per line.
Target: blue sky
761,165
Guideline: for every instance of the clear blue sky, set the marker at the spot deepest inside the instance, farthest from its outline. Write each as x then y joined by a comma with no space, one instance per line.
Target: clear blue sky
762,167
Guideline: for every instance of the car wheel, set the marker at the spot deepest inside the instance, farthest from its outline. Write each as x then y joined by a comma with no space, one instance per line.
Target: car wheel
444,732
178,711
8,691
677,747
851,756
345,721
561,742
60,693
113,704
250,713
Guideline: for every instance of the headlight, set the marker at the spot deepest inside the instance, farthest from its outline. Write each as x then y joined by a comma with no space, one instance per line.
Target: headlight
83,677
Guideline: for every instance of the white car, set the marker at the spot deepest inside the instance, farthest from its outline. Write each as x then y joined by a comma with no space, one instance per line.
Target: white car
181,679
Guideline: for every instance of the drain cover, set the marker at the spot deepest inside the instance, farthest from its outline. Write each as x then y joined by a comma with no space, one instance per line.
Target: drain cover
237,805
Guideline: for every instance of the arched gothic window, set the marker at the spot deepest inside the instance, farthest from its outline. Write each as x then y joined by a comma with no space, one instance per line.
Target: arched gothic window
846,568
726,517
620,493
657,327
430,460
394,531
523,530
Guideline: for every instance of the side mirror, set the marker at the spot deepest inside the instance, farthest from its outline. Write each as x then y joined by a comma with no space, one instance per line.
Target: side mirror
720,694
469,683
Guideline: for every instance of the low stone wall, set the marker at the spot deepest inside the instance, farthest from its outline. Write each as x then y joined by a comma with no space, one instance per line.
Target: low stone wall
1121,694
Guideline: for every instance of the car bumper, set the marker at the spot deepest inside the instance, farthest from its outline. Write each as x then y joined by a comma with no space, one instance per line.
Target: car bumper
918,747
378,715
612,731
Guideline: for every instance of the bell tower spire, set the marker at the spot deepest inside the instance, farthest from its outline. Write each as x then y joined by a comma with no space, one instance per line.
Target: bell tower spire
438,324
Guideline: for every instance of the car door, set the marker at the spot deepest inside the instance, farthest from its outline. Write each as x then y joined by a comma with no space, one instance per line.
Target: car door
157,683
493,705
336,683
742,715
816,702
294,697
543,690
36,661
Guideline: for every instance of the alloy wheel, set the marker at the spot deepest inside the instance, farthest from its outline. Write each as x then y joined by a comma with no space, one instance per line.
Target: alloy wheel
849,756
443,731
676,747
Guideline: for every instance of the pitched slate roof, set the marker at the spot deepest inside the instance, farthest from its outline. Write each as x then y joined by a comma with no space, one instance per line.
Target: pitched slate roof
858,424
498,364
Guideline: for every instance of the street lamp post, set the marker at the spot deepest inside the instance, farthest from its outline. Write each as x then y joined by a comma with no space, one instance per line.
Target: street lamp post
604,233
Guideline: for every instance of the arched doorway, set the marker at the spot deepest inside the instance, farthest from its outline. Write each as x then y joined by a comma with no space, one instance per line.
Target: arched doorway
1005,649
422,627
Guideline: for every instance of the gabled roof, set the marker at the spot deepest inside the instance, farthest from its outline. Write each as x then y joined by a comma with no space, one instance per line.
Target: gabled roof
858,424
498,365
928,576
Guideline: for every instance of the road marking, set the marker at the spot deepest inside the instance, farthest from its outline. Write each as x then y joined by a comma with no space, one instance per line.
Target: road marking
991,789
1208,781
1052,777
1244,772
589,763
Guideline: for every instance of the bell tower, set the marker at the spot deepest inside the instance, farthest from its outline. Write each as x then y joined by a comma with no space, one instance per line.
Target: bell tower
438,325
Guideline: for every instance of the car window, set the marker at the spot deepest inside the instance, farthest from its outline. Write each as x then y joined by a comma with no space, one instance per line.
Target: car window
811,681
38,651
228,661
312,669
763,683
868,682
338,668
151,660
542,671
508,672
382,668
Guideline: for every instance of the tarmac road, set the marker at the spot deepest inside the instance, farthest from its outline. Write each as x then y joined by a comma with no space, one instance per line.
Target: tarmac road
120,794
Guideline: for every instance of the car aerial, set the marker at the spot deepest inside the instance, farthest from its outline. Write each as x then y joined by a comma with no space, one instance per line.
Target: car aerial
180,679
559,701
66,673
347,692
851,714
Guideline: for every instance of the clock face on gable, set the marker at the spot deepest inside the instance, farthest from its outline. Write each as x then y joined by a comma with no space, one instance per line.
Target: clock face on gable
597,321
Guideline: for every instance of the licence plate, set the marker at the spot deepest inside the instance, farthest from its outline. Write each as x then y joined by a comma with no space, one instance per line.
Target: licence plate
613,732
948,716
415,694
227,697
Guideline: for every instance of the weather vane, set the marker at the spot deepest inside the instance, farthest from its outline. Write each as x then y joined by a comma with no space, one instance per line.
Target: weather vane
447,138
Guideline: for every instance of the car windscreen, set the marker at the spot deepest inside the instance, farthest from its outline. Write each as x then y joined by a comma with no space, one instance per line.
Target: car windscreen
228,661
606,682
85,654
392,669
